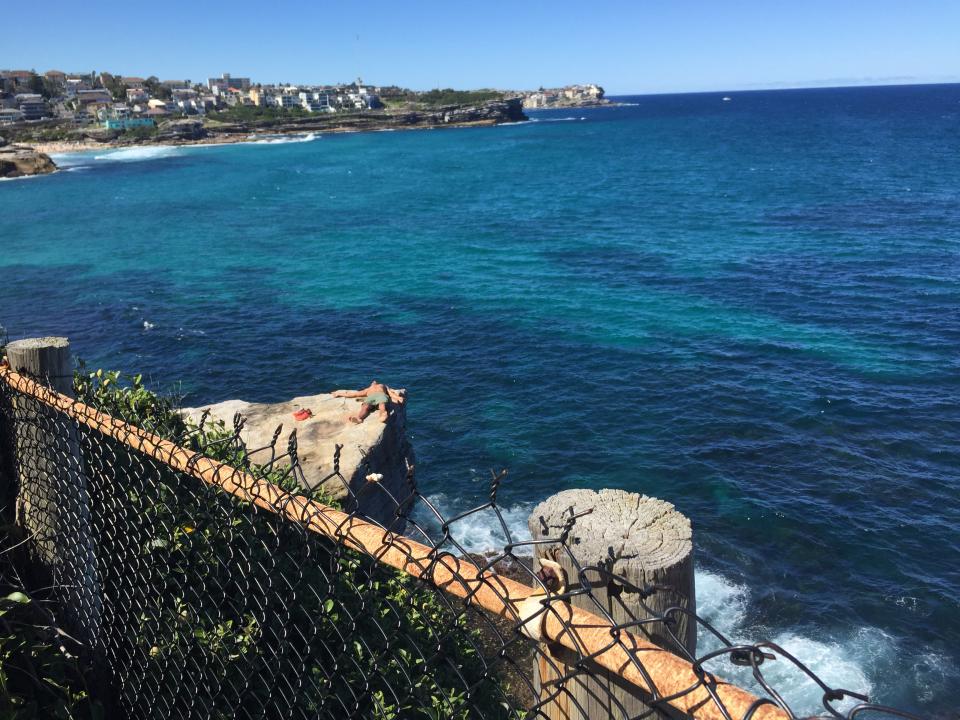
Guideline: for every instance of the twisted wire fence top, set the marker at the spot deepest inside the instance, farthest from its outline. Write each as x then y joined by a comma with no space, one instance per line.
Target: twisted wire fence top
216,585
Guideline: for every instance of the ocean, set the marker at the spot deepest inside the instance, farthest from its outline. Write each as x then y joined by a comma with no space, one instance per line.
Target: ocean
748,307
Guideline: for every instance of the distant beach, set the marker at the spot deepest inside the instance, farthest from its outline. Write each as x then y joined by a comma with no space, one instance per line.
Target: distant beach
51,148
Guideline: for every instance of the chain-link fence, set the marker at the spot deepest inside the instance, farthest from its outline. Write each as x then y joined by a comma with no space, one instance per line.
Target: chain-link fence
195,578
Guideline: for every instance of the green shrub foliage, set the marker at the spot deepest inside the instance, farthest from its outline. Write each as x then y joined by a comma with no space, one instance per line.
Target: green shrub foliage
215,603
40,678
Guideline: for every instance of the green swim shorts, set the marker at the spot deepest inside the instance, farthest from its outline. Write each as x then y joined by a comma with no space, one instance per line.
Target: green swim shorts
375,398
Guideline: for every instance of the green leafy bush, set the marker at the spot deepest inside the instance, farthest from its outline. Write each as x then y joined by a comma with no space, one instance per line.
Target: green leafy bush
449,96
224,598
40,678
253,113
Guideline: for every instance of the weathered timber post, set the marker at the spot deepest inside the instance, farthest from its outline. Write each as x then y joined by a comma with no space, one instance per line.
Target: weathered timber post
53,503
627,537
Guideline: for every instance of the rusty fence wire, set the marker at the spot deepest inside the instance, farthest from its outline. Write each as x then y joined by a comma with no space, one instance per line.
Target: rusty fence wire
195,577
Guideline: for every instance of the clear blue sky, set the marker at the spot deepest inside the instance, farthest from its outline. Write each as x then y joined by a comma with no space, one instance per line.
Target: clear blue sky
628,47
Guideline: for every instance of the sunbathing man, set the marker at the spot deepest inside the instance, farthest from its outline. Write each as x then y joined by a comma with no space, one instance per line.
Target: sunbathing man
375,395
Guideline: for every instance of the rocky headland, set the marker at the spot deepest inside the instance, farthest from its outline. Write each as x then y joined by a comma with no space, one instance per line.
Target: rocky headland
194,130
19,161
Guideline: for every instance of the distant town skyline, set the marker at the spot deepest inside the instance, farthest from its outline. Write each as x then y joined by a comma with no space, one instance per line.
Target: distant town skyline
628,47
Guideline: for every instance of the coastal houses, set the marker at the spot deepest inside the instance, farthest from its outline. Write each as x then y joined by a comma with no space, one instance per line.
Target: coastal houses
81,97
32,106
569,96
316,102
9,116
17,80
62,101
137,95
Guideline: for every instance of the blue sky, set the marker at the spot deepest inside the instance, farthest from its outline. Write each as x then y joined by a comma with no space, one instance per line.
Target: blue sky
628,47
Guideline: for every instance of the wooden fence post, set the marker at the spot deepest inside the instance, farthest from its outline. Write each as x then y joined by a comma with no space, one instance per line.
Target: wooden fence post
646,542
53,503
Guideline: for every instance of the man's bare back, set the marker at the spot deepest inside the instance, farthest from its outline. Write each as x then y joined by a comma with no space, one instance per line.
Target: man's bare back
376,394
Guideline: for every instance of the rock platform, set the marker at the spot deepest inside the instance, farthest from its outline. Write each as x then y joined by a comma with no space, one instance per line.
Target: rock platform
18,161
371,447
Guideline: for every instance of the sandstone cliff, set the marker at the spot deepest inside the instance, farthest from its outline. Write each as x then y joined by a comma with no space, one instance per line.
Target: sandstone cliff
369,448
180,131
17,161
489,113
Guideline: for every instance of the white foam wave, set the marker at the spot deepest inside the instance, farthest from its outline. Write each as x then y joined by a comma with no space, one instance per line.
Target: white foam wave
67,161
22,177
283,139
481,532
563,119
137,154
859,659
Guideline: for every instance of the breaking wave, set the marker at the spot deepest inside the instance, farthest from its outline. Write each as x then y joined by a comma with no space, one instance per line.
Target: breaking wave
563,119
137,154
281,139
855,659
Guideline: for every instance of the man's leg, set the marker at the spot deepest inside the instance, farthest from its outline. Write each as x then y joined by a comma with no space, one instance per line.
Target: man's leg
382,412
365,409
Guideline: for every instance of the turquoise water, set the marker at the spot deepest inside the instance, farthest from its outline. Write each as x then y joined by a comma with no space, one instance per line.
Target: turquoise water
749,308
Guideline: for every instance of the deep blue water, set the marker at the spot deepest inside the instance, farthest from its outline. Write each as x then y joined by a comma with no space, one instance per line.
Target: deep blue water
749,308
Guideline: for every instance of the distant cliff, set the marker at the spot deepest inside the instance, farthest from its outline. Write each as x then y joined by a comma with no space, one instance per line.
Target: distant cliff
487,113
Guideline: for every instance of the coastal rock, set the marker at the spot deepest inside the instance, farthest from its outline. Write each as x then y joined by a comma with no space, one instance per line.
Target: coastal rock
180,130
17,161
488,113
510,110
368,448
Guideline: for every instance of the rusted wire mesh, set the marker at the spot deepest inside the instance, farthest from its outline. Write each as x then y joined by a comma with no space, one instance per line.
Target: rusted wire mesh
197,578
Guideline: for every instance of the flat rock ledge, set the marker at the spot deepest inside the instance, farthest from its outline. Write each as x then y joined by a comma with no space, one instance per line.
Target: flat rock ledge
19,161
372,447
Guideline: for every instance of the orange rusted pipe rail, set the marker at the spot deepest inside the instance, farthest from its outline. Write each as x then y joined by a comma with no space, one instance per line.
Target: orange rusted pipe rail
576,629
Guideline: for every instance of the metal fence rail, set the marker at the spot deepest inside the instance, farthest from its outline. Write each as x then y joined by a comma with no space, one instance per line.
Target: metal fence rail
201,587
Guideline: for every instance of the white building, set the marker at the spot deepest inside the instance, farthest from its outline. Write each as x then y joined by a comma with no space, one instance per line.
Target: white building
192,106
316,102
361,99
137,95
287,101
168,105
